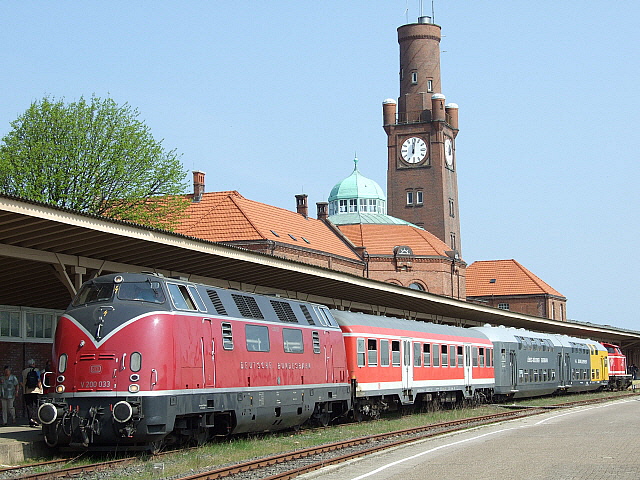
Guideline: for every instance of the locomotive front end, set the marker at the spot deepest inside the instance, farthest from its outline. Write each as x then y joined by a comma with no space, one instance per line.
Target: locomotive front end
108,351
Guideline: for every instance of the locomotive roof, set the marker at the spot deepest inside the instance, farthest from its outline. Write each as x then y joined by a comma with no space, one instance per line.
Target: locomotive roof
349,319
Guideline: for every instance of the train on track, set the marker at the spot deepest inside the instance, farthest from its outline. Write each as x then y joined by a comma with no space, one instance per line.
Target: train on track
142,361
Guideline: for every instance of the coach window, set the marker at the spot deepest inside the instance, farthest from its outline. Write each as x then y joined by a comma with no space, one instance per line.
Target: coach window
227,336
417,358
481,356
445,355
460,355
257,338
426,354
180,296
372,352
475,356
292,340
395,353
452,355
361,353
384,353
436,355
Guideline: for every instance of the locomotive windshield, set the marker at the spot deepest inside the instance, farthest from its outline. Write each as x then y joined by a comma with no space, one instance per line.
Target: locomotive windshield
93,292
144,291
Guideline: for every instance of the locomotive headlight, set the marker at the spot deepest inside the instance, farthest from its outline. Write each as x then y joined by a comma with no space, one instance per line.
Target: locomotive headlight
60,389
134,388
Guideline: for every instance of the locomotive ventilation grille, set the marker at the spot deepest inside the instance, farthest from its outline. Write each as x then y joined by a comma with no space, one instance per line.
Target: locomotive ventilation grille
217,303
284,311
248,306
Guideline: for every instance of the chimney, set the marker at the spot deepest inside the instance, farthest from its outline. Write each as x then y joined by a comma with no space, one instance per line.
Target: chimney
322,211
198,185
301,205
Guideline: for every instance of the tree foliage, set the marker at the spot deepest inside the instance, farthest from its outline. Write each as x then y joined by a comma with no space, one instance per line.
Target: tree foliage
94,156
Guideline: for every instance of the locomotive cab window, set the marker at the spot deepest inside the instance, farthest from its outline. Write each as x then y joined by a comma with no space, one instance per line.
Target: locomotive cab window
292,340
141,291
94,292
181,297
257,337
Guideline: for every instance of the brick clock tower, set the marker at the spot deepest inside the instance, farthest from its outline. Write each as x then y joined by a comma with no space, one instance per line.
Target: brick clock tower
422,187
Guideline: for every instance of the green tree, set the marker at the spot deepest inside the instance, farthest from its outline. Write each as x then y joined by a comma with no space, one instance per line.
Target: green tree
94,156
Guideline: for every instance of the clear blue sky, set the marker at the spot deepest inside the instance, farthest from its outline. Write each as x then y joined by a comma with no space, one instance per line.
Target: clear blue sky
273,98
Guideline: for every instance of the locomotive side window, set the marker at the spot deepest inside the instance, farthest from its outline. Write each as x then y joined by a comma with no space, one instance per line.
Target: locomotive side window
372,352
384,353
395,353
436,355
292,340
180,296
257,338
141,291
198,299
227,336
361,352
426,354
94,292
135,361
316,342
417,358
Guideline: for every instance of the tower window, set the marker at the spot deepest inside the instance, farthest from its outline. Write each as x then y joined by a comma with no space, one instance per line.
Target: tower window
419,197
343,206
453,241
452,208
429,85
414,77
409,198
353,205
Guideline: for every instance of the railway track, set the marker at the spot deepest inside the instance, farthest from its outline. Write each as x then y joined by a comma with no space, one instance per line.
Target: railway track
291,464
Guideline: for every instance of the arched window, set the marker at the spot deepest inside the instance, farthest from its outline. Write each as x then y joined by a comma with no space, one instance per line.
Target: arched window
417,286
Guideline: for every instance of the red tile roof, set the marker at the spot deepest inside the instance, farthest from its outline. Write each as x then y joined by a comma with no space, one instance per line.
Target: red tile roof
228,216
504,277
382,239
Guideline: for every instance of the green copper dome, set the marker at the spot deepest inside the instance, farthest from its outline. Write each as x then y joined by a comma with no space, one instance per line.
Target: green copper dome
356,186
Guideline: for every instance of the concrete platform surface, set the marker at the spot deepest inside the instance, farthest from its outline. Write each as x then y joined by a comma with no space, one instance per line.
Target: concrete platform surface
19,443
582,443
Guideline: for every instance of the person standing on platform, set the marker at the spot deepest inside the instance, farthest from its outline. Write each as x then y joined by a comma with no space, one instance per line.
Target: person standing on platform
8,392
32,387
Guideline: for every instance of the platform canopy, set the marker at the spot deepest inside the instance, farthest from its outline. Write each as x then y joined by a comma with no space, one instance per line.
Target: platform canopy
47,252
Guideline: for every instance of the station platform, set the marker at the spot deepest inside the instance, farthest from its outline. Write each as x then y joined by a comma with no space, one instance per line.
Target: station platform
20,443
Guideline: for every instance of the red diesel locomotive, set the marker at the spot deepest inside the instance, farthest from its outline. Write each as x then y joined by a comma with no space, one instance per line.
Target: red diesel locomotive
143,360
619,376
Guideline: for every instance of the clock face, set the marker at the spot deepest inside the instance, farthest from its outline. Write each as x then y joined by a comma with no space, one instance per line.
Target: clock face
448,152
414,150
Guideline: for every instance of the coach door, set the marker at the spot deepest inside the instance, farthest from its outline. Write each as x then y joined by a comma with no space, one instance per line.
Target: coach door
407,372
468,370
513,366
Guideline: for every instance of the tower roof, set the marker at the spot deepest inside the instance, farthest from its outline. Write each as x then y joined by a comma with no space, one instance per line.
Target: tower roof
356,185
